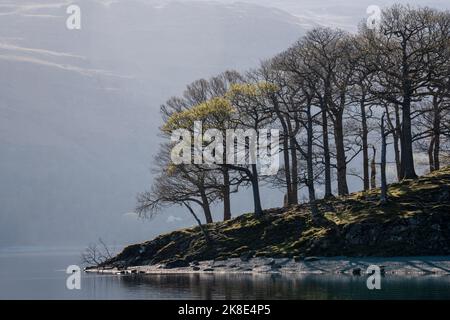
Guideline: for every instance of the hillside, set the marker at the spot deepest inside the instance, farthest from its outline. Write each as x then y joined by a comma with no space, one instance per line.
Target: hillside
416,222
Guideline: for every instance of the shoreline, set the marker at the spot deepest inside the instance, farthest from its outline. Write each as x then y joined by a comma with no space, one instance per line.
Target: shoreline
426,265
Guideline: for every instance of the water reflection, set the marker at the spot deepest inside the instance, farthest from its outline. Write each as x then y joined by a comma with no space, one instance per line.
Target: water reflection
262,286
41,275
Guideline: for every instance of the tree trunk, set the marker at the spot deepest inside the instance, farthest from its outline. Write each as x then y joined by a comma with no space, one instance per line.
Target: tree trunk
310,171
202,227
373,169
341,161
407,157
255,189
436,132
206,208
365,146
226,194
397,154
383,198
397,133
431,155
437,146
294,188
294,166
287,169
326,154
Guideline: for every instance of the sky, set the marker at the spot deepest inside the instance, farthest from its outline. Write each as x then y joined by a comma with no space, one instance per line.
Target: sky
79,109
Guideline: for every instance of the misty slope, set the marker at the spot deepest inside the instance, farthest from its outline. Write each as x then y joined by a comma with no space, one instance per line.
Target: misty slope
79,109
416,222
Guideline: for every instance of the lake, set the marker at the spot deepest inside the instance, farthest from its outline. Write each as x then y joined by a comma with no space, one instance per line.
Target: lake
39,273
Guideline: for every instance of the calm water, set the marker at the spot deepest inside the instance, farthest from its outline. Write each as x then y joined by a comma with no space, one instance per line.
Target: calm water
40,274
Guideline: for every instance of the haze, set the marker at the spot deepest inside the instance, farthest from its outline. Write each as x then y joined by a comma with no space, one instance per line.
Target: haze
79,109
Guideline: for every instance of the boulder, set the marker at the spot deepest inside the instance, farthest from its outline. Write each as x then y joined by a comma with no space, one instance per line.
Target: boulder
180,263
246,256
311,259
356,271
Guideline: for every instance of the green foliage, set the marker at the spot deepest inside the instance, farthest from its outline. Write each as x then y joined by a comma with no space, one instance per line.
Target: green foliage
259,89
217,112
213,113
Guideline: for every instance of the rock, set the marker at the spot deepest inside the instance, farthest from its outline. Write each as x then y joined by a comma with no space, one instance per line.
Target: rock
382,270
435,227
270,262
298,258
98,268
444,194
311,259
246,256
217,264
180,263
146,262
356,271
208,269
195,268
195,263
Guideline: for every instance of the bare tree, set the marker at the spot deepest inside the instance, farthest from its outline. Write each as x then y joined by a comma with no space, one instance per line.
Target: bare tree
96,254
400,51
169,189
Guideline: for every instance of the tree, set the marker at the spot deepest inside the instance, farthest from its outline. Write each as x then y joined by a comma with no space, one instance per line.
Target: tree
248,100
282,103
212,114
363,100
325,53
309,57
219,86
401,54
301,111
96,254
177,185
240,109
197,93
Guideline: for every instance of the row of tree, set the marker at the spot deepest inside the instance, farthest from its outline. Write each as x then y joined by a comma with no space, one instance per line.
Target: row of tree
335,97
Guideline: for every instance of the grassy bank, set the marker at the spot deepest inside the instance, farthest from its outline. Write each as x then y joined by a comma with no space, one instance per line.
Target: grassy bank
415,222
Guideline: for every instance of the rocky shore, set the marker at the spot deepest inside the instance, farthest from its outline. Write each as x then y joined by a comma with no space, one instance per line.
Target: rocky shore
309,265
